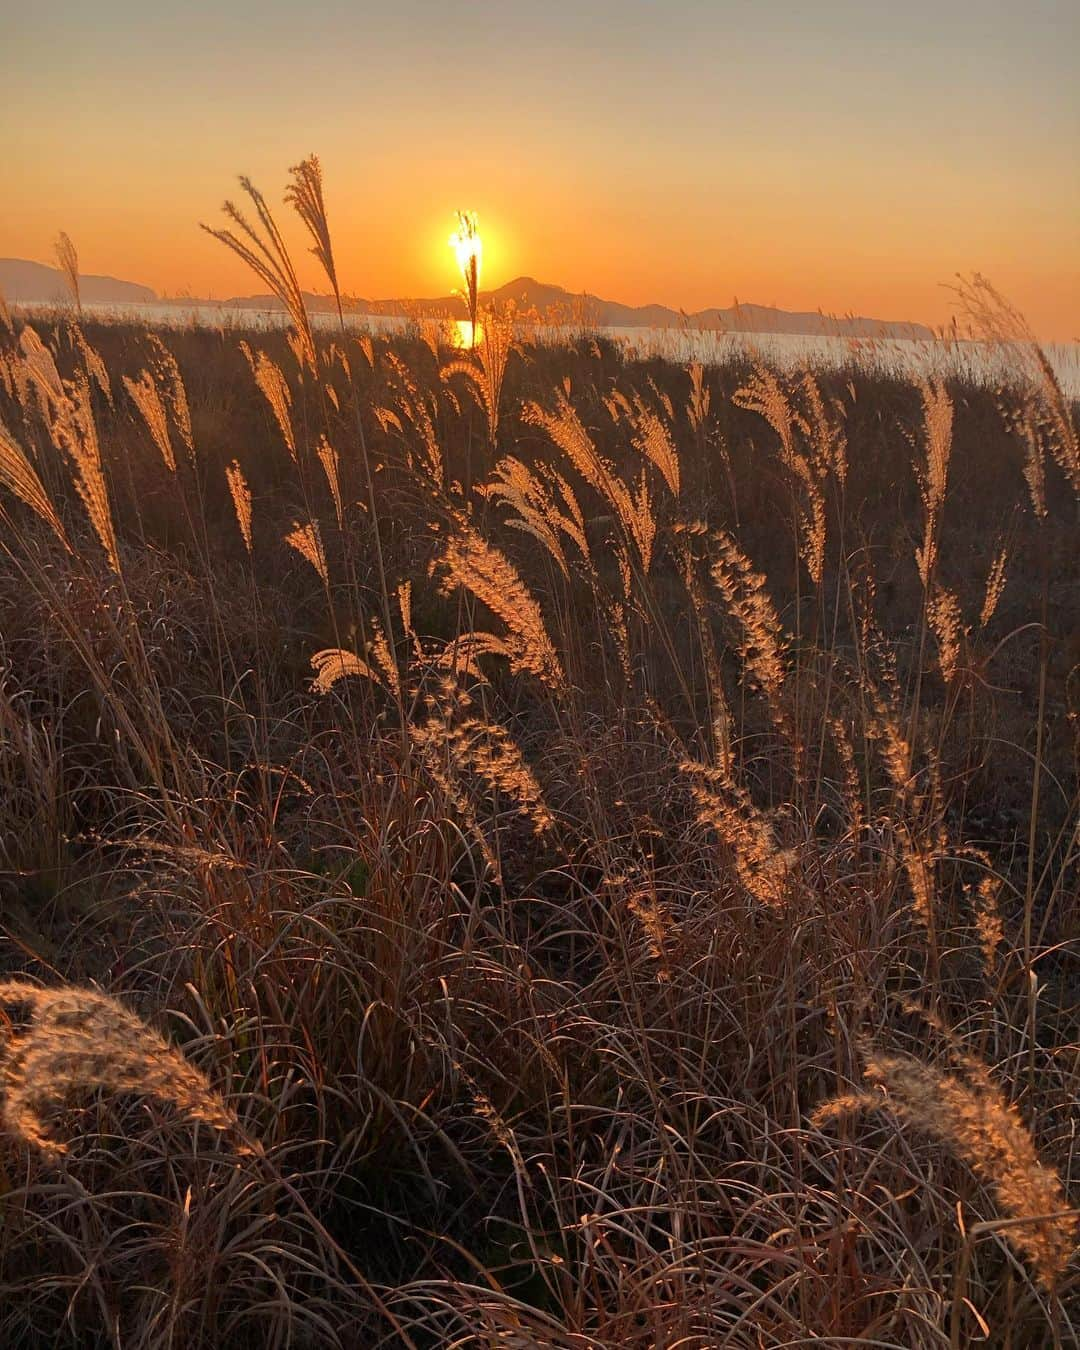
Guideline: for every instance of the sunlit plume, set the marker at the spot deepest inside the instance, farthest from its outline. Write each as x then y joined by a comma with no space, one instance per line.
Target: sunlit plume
467,245
468,249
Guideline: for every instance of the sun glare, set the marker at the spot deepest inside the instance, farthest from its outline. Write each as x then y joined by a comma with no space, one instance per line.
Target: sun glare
467,245
468,248
465,334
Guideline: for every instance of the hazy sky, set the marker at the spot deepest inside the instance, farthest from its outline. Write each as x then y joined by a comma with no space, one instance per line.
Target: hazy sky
842,154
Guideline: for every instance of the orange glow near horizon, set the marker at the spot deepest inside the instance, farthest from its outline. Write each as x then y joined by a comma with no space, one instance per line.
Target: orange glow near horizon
686,264
684,155
747,253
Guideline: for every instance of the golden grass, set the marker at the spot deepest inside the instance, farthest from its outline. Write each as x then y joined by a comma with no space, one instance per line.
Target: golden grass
167,373
466,243
78,1041
144,394
67,260
995,586
306,539
275,390
762,643
18,476
469,561
528,880
968,1113
95,367
486,371
305,194
333,664
241,500
268,257
933,477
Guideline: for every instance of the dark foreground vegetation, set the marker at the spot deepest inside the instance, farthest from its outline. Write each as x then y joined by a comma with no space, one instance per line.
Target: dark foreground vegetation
603,837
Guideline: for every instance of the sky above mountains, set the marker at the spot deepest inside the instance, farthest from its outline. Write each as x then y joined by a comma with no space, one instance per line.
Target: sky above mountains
852,156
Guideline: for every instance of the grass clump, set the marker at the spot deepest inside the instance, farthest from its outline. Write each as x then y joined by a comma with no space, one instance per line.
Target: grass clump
536,788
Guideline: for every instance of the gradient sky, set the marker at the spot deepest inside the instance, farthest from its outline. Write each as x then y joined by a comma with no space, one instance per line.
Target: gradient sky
843,155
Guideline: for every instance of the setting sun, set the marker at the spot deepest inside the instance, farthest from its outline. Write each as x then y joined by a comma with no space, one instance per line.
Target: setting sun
468,246
468,250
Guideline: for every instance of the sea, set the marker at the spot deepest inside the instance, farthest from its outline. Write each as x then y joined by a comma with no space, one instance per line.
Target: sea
972,361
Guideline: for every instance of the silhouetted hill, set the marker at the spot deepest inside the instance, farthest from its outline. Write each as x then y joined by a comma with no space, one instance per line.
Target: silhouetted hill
555,302
736,319
23,281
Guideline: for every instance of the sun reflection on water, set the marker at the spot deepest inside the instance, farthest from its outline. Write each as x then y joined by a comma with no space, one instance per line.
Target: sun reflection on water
461,334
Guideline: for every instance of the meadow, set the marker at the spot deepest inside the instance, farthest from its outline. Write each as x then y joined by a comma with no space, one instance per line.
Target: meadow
526,847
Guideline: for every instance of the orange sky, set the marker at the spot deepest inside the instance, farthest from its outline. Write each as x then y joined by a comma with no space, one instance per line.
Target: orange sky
840,156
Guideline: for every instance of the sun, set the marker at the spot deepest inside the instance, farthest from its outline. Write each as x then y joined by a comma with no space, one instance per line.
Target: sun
467,245
468,249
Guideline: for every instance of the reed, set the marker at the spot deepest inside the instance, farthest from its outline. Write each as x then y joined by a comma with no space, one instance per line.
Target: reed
240,493
18,476
516,867
967,1112
78,1040
268,257
468,251
67,260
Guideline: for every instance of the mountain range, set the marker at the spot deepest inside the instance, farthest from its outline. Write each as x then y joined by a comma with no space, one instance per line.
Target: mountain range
22,281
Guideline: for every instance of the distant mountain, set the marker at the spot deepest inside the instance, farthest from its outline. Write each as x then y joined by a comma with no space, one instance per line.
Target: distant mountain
736,319
27,281
557,303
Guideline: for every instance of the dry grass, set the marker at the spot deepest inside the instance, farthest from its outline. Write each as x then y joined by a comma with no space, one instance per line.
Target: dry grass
541,797
241,500
78,1040
18,476
969,1115
67,260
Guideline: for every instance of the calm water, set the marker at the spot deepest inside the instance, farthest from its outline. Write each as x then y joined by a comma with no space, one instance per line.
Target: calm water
904,357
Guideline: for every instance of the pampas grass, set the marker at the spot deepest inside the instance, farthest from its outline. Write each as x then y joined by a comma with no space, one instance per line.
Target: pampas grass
305,194
967,1112
275,389
268,257
469,561
18,476
79,1040
995,586
171,383
144,394
76,429
328,458
306,539
485,373
334,664
933,476
525,889
67,259
241,500
762,643
465,242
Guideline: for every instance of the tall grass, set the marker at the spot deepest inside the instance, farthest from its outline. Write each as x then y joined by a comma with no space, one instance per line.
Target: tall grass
67,259
599,841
